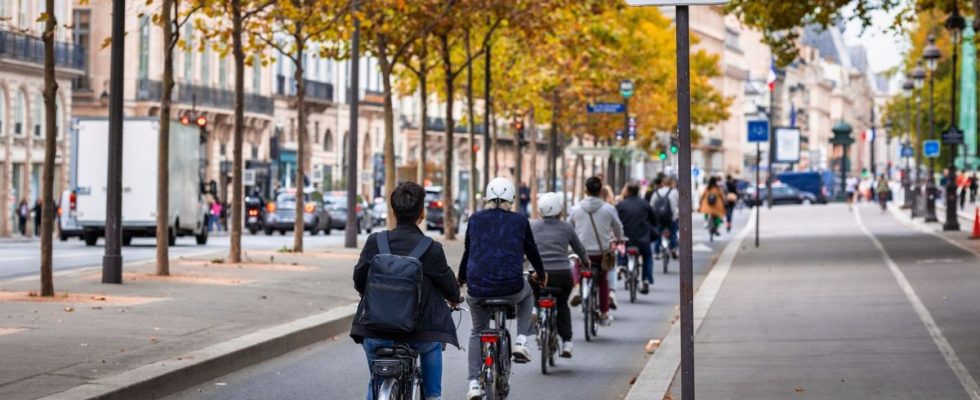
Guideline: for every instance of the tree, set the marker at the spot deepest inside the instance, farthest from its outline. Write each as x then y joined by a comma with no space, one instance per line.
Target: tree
50,137
297,25
246,17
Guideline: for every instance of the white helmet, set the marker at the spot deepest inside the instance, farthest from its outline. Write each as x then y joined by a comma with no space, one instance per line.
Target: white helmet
549,205
501,189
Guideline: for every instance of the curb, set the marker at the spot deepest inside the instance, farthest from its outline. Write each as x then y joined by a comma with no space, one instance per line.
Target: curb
658,374
162,378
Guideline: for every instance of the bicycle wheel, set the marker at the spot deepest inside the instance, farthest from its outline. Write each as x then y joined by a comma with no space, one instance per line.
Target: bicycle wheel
631,279
545,334
594,321
418,388
490,388
666,258
555,343
589,317
503,373
389,390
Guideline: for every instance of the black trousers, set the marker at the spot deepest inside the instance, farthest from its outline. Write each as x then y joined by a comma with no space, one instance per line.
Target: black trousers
561,279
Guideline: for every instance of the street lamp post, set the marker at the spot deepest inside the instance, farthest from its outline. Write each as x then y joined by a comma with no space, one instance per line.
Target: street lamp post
918,79
932,55
907,88
953,136
842,137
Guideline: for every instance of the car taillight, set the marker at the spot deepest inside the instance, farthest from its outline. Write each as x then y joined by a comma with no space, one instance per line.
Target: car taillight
586,274
546,302
72,201
309,208
488,338
435,204
253,212
271,207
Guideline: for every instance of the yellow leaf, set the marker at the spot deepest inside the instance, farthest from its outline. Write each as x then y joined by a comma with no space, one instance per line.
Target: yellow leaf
43,17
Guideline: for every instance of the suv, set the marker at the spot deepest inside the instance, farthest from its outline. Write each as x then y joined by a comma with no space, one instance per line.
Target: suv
282,214
336,204
781,194
434,220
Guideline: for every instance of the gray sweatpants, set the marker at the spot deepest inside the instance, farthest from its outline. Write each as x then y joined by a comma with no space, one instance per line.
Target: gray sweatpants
481,321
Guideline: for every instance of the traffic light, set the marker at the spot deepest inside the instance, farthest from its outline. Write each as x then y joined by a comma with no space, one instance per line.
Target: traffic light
673,146
663,156
201,121
186,120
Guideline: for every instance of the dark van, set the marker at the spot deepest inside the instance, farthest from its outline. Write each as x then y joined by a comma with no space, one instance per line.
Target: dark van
806,181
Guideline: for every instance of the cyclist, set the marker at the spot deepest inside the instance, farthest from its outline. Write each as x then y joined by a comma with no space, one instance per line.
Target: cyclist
596,223
554,237
712,205
497,240
665,206
638,224
435,327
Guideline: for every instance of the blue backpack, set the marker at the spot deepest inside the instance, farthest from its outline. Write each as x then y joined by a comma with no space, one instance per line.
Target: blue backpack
393,295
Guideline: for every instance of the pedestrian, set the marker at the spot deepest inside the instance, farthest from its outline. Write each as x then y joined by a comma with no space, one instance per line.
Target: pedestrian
639,222
850,188
214,215
525,199
597,224
883,191
22,213
648,196
731,199
963,185
712,205
37,217
973,188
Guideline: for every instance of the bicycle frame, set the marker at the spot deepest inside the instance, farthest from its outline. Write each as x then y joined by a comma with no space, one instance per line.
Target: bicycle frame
397,376
495,351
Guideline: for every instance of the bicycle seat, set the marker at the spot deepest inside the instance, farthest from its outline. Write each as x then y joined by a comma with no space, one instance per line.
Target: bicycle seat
400,350
632,250
496,303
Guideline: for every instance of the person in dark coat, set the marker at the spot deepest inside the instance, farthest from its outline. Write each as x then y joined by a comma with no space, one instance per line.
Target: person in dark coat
37,217
439,289
638,223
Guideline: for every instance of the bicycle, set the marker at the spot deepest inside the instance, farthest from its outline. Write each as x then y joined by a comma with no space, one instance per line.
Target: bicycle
495,349
590,300
547,338
664,244
397,372
713,224
632,271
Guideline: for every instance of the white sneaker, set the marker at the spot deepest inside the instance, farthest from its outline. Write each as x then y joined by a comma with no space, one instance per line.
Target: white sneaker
613,304
605,319
475,392
566,349
576,297
520,353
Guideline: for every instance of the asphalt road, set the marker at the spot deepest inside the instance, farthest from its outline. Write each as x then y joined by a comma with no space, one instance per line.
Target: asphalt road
601,369
20,258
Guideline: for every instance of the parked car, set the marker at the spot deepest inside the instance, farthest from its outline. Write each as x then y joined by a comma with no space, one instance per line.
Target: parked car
781,194
379,212
255,214
68,226
810,182
281,215
336,204
434,220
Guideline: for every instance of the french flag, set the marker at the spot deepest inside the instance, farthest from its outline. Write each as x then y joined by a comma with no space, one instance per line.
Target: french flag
771,79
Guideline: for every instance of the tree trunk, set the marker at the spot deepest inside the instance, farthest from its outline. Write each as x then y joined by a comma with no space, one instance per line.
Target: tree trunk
552,142
448,206
579,171
471,115
423,129
163,145
493,124
298,226
235,248
51,134
389,115
532,124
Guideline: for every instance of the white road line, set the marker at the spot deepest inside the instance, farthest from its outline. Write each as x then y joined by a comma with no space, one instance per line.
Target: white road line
945,348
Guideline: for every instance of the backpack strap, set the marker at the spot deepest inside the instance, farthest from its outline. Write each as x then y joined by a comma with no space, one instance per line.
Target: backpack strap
382,240
421,248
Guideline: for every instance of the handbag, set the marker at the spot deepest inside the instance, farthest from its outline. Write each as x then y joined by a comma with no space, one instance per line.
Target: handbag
606,256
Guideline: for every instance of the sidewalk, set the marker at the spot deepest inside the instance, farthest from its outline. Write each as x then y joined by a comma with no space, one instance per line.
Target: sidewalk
838,307
93,336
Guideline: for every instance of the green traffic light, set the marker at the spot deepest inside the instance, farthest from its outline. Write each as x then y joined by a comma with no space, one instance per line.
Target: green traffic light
663,156
673,149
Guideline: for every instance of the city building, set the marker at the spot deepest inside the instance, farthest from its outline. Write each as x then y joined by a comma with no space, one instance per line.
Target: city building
22,103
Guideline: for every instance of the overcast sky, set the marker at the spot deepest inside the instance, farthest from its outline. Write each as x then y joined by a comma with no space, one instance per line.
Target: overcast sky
884,47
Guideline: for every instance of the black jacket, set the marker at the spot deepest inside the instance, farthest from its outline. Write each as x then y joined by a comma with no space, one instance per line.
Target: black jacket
638,220
438,286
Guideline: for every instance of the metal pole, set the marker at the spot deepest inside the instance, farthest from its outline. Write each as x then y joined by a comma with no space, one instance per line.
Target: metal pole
684,175
112,260
906,178
952,222
874,138
930,180
350,233
758,209
486,114
772,141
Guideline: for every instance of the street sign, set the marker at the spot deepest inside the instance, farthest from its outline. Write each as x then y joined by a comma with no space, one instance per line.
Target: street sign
953,135
908,151
696,172
248,177
644,3
606,108
758,131
930,148
626,88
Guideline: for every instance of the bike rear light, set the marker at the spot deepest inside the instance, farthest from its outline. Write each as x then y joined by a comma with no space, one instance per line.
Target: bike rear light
586,274
488,338
253,212
488,361
546,302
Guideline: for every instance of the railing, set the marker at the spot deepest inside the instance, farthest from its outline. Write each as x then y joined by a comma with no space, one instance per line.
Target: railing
151,90
31,49
315,90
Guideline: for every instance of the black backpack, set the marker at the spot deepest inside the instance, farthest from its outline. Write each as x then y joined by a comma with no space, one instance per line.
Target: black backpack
661,207
393,295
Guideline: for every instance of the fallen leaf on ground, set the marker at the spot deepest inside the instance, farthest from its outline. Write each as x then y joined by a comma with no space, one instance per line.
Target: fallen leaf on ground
799,389
652,346
69,309
153,340
99,298
633,380
32,294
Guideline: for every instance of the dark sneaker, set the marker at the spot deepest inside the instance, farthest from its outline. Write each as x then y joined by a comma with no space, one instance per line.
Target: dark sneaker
645,289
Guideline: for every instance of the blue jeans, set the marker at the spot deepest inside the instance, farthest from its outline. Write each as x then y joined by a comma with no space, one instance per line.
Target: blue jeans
647,256
673,227
430,355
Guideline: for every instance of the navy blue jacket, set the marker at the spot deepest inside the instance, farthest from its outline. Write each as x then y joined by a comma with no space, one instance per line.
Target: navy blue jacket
493,261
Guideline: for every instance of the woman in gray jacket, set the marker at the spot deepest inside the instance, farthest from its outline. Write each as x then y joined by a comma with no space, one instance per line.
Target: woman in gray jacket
554,237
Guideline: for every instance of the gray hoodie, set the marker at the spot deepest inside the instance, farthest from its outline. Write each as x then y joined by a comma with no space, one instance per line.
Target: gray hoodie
606,222
553,237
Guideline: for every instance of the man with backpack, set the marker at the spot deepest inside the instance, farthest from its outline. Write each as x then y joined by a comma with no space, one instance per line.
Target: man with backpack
406,289
638,224
665,209
597,224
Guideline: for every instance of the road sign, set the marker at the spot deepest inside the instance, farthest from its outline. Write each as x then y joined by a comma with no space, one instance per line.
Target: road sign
930,148
606,108
626,88
758,131
908,151
248,177
644,3
696,172
953,135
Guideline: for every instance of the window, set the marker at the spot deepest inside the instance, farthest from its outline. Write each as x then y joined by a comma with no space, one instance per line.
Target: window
206,66
4,9
60,15
20,113
22,14
222,72
316,132
328,141
81,34
38,106
144,60
3,101
256,74
188,53
732,40
222,149
255,152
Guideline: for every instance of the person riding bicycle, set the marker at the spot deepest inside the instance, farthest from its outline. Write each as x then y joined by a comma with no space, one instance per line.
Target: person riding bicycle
554,237
712,205
497,240
638,224
665,203
596,223
435,327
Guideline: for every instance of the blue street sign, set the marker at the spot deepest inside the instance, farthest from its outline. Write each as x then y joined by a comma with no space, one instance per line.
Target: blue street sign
908,151
696,172
606,108
930,148
758,131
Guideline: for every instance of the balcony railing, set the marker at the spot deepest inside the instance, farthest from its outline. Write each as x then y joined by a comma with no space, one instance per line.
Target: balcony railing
31,49
315,90
438,124
151,90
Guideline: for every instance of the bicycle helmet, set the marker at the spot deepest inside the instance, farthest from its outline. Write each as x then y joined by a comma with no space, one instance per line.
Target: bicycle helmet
549,205
500,189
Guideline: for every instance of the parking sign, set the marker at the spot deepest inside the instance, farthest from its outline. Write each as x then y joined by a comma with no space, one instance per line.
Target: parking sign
930,148
758,131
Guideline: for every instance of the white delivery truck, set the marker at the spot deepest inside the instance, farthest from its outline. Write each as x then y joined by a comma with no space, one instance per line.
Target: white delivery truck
188,209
